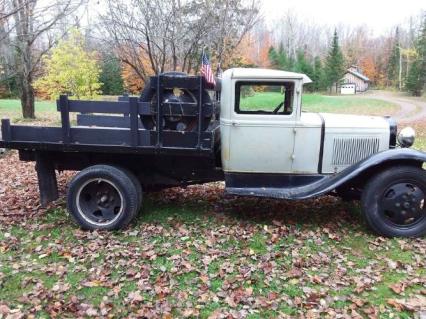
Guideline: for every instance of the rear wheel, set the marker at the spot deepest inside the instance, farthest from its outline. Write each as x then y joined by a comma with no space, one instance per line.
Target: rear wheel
393,202
102,197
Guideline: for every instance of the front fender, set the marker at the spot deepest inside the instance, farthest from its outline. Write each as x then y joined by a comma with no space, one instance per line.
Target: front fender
326,183
389,157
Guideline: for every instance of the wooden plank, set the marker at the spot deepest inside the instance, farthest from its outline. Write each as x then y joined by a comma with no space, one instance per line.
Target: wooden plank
65,118
37,134
80,135
47,183
112,107
108,136
105,120
185,139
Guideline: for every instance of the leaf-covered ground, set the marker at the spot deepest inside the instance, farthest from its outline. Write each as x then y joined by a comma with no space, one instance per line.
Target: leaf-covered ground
196,252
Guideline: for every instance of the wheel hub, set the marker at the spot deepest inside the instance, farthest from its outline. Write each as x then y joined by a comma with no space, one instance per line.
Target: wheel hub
402,204
99,202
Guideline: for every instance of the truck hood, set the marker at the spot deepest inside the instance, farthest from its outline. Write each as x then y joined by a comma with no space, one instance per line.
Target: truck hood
344,121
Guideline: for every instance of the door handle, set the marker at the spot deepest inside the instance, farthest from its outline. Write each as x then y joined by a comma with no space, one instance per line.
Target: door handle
233,123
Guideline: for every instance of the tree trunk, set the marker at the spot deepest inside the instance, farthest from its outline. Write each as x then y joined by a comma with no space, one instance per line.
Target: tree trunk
400,71
27,100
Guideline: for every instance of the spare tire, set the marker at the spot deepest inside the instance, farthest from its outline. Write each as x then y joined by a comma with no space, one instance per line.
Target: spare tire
182,122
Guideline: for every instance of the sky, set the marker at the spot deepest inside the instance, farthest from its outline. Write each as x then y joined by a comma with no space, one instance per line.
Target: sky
379,15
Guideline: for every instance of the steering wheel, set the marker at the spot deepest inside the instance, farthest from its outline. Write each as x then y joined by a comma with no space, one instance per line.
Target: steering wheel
275,111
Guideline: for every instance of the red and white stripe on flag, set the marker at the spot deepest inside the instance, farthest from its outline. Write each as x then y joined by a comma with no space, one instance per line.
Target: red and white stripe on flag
206,70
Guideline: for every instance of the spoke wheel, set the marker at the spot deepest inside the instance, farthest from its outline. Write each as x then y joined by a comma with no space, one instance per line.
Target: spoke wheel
100,202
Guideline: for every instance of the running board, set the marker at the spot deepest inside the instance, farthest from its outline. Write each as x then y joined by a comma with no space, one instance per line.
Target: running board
287,186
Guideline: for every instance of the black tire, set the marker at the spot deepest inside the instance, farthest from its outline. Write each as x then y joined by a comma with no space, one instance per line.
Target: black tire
148,94
102,197
394,202
137,185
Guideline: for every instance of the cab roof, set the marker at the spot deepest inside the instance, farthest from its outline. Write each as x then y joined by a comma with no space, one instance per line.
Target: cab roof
252,73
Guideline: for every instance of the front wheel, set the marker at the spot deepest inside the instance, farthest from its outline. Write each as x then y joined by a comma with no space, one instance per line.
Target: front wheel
393,202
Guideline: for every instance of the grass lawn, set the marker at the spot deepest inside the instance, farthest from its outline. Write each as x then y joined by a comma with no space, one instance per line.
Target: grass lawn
321,103
12,109
311,103
196,252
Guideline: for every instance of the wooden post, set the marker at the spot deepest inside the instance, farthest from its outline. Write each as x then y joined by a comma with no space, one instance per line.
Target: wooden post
47,183
134,121
200,112
65,118
6,132
159,112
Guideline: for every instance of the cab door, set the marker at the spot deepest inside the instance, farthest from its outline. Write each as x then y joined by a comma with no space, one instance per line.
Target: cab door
261,130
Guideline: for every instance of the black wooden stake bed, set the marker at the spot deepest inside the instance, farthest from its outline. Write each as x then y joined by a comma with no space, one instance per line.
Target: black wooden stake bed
157,156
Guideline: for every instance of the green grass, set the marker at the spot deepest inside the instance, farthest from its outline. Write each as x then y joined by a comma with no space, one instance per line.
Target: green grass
267,101
181,240
347,105
191,252
12,109
46,110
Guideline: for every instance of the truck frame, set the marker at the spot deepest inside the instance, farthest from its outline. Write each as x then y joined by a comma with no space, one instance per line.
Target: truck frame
118,156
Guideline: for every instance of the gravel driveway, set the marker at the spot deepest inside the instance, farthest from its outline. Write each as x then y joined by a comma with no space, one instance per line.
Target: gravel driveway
412,109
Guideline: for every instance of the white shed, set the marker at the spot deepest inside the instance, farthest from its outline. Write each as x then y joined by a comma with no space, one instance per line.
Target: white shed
354,76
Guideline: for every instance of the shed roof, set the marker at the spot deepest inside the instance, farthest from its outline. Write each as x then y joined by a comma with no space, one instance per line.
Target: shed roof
358,75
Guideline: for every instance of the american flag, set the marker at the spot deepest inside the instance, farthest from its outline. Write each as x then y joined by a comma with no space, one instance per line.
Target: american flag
206,70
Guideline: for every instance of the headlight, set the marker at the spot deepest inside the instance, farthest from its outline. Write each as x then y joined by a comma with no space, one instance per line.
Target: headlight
406,137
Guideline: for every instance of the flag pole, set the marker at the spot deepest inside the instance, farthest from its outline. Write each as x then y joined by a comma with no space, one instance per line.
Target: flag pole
202,55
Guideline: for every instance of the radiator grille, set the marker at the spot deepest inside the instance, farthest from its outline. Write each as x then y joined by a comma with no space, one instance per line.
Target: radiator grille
347,151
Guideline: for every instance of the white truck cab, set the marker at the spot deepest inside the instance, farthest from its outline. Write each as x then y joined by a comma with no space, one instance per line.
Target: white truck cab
264,130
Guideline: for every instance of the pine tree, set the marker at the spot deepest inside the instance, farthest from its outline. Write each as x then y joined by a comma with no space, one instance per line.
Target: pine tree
111,76
318,76
303,66
278,58
393,64
335,63
273,57
71,69
413,83
416,78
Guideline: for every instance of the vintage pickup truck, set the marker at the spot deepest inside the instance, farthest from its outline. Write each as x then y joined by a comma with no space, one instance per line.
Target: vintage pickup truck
249,131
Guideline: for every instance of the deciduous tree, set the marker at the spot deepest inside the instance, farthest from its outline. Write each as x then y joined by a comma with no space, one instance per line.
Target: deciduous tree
33,28
71,69
172,34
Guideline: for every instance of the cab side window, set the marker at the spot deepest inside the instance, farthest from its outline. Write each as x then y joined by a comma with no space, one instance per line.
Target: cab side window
264,98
